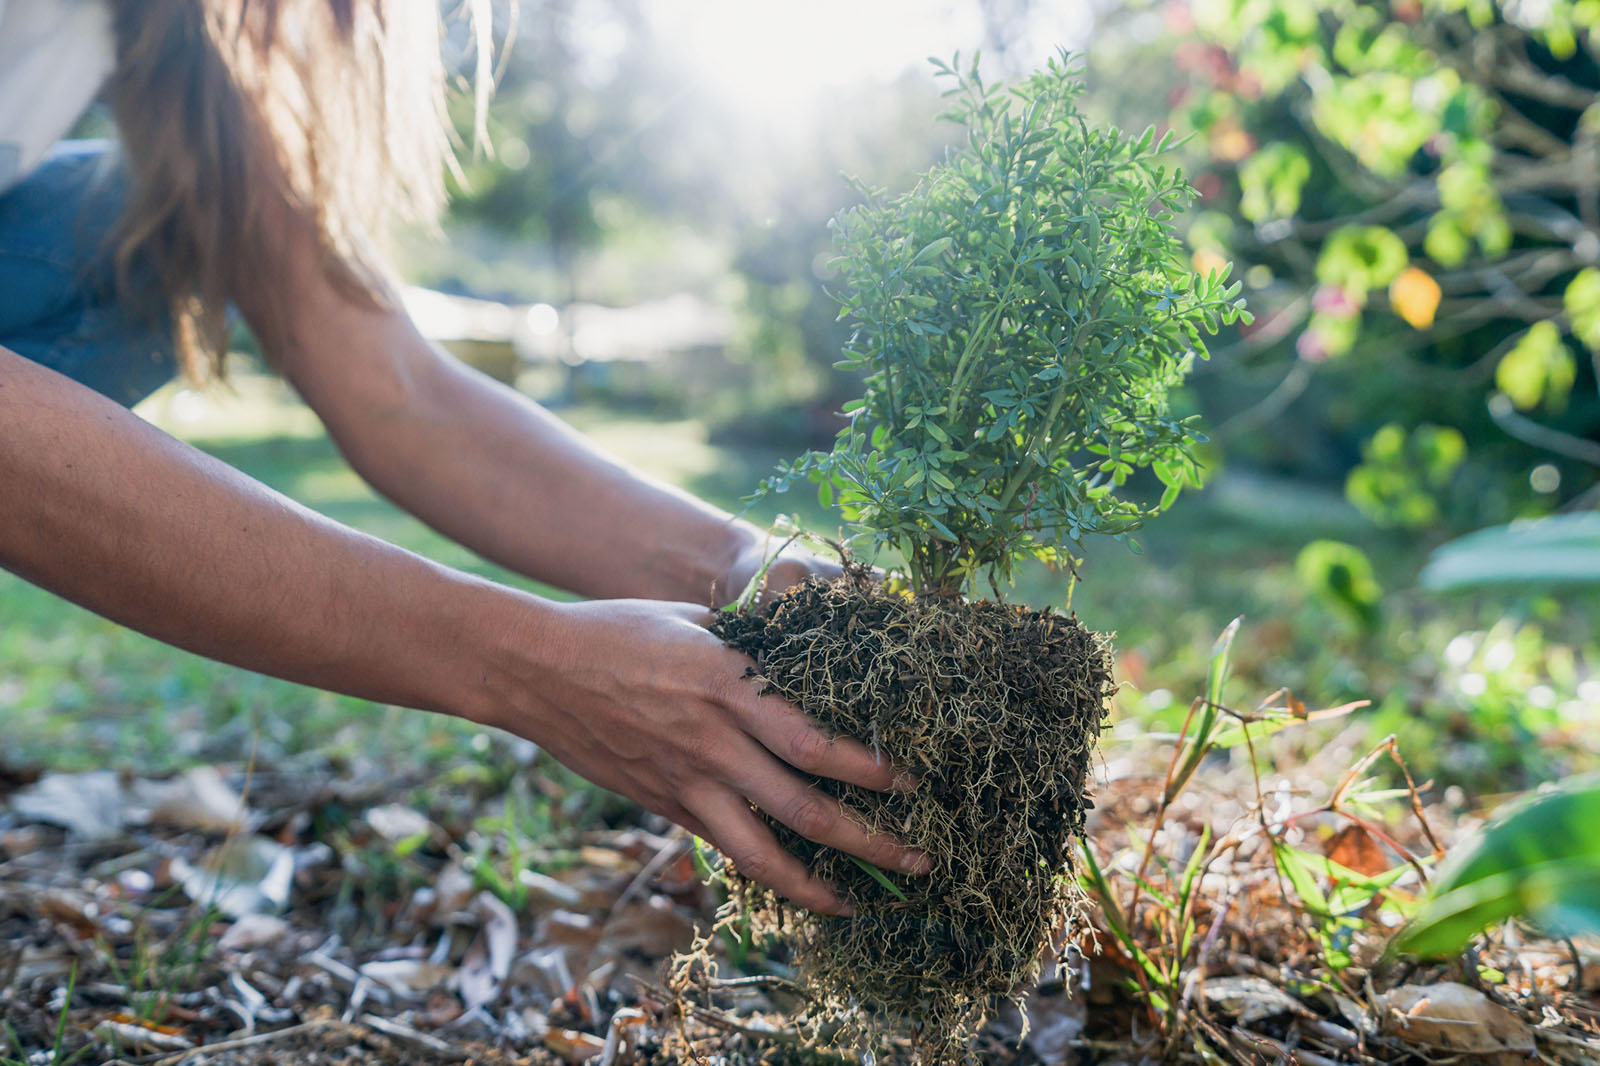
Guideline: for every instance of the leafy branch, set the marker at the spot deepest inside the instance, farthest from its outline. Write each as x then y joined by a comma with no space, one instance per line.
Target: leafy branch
1021,315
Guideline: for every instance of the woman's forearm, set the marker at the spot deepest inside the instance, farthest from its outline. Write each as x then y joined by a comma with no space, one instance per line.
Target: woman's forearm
107,511
491,469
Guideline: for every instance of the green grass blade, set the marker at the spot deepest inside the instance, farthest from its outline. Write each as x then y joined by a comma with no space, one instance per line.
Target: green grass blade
879,876
1200,742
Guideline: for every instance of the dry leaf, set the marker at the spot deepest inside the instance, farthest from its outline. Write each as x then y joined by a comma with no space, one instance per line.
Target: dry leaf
545,892
1455,1018
239,877
409,977
253,931
654,928
125,1031
1353,848
395,822
488,961
196,799
1250,999
90,805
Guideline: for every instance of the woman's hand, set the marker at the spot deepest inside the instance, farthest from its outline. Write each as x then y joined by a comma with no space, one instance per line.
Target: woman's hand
639,697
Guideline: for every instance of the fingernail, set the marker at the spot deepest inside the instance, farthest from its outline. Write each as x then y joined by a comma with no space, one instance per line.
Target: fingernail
904,782
915,862
846,910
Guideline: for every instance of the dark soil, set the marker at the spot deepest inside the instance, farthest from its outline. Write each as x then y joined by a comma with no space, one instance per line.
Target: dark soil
997,709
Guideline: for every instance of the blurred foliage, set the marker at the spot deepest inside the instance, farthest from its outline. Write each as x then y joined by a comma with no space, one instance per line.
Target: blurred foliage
1412,187
1558,552
1540,860
612,175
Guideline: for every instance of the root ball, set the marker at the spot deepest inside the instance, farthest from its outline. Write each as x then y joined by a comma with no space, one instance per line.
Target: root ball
996,709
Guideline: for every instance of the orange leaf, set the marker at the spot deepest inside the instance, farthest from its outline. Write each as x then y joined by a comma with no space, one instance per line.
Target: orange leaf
1414,295
1353,848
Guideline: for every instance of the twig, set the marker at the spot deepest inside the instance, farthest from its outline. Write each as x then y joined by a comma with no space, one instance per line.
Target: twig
407,1035
304,1028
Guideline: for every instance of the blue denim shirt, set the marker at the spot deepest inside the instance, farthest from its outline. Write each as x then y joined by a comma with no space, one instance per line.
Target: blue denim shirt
58,304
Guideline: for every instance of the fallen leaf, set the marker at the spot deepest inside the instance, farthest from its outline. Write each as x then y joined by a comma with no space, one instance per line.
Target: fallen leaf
142,1035
196,799
395,822
241,876
1250,999
1353,848
90,805
68,908
409,977
1455,1018
654,928
488,960
545,891
252,931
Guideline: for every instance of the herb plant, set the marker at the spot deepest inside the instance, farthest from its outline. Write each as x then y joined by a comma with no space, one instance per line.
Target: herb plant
1021,315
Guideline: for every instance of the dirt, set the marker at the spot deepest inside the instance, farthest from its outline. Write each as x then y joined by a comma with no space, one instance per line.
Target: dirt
996,708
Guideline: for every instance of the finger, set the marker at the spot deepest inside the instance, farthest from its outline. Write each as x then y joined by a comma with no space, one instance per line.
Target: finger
693,613
800,742
818,817
787,572
754,852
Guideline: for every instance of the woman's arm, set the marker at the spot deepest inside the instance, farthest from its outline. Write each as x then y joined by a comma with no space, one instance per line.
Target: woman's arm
491,469
107,511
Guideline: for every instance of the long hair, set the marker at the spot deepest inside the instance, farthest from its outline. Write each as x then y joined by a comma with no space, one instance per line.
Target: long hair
230,110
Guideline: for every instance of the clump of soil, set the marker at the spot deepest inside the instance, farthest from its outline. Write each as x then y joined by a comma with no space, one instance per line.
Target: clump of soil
997,709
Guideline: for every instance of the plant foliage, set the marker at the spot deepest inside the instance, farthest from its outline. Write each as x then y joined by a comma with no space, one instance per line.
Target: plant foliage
1021,316
1540,861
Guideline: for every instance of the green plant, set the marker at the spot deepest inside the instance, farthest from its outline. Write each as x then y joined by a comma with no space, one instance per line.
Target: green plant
1022,316
1561,552
55,1058
158,968
1164,911
1390,178
1540,861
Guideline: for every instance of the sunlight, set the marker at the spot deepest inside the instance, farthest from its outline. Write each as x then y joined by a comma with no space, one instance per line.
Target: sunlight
775,62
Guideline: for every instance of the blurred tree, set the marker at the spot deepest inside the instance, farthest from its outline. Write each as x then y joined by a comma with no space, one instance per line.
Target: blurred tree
1412,187
602,139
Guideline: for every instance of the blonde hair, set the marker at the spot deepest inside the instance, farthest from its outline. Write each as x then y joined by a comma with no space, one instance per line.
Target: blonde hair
230,110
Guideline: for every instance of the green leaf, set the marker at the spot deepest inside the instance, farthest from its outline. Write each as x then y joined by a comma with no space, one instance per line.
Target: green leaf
1559,551
1360,258
1342,576
1540,860
933,249
1200,741
1301,875
1537,368
1271,181
1582,303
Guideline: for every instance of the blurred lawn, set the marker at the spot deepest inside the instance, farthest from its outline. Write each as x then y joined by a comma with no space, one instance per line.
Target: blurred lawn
77,691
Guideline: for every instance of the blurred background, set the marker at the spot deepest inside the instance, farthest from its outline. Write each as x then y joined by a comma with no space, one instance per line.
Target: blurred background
1410,191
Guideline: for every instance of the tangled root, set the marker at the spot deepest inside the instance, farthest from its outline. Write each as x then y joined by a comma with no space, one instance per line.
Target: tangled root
996,709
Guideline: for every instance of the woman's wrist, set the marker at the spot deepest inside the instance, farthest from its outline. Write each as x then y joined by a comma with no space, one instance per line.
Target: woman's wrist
503,639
